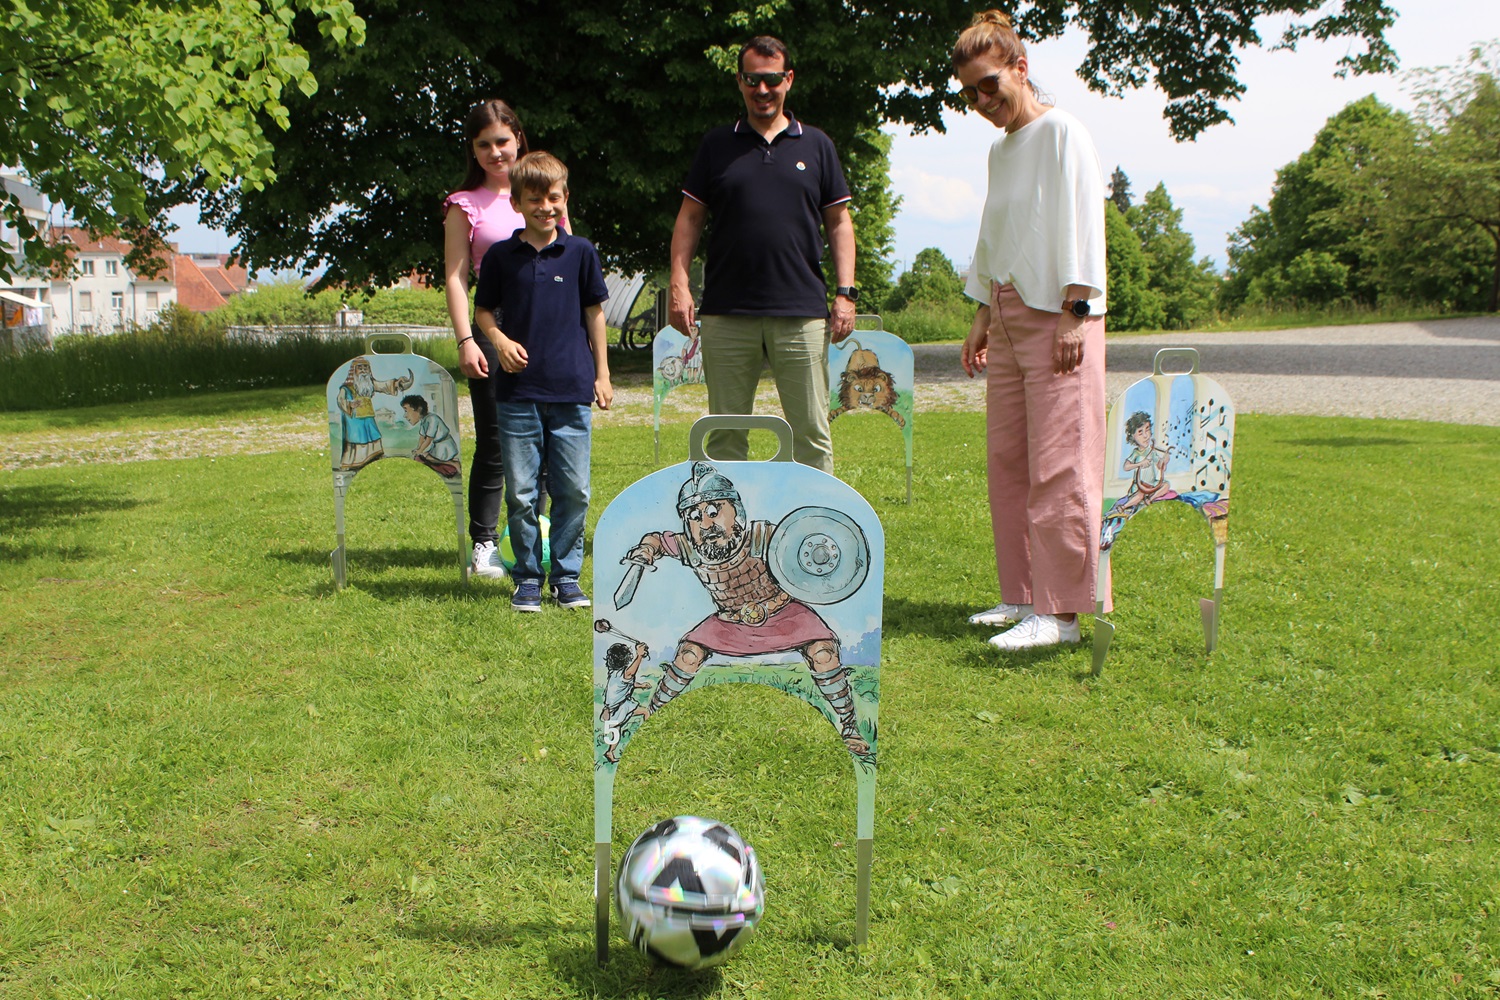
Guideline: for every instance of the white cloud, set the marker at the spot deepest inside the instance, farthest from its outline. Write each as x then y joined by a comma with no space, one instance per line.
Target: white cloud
935,198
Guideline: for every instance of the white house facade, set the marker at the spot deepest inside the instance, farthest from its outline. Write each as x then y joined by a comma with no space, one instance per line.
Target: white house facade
102,294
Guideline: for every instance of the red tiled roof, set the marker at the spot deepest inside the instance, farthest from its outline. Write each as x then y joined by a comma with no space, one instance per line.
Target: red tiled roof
86,244
194,291
205,282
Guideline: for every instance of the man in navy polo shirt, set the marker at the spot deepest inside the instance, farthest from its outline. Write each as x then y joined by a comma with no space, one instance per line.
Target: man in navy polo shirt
772,187
549,287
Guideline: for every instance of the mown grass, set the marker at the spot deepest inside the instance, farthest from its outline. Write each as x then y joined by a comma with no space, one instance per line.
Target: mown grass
224,779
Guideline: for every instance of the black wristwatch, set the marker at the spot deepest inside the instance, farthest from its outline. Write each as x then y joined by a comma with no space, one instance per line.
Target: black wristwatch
1078,307
850,292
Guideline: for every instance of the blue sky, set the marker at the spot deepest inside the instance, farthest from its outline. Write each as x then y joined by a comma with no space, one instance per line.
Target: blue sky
1214,180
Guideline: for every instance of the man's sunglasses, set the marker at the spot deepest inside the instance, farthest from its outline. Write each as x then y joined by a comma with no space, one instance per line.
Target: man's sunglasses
772,80
989,86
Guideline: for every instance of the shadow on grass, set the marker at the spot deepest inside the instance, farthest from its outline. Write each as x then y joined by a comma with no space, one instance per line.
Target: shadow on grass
926,619
388,573
32,509
1345,442
629,973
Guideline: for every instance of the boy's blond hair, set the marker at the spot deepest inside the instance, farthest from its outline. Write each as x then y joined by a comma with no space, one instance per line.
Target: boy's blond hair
538,172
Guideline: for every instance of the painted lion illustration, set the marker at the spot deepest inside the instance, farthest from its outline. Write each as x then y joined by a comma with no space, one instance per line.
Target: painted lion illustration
864,385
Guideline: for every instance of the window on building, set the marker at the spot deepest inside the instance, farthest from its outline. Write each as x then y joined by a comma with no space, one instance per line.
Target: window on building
86,266
151,301
117,302
111,267
85,302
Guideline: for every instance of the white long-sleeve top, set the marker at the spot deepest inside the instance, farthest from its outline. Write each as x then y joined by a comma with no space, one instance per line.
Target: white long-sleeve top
1043,223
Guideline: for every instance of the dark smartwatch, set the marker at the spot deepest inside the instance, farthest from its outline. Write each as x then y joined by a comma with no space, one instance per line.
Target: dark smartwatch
1078,307
850,292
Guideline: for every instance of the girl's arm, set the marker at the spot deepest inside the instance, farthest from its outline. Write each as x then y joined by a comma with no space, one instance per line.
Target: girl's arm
456,289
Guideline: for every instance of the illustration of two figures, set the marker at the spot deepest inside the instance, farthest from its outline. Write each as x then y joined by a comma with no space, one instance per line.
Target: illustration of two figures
762,579
362,442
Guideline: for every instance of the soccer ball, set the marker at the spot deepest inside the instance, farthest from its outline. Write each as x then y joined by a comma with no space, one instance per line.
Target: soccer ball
690,892
508,554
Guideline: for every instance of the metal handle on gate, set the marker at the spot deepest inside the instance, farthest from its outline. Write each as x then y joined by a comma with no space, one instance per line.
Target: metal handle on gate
404,339
740,422
1186,354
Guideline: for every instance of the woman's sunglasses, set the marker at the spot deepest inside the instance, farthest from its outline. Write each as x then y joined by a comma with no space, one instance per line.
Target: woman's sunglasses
989,86
772,80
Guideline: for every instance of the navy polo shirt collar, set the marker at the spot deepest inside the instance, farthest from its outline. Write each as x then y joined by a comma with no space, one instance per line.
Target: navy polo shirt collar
519,237
793,128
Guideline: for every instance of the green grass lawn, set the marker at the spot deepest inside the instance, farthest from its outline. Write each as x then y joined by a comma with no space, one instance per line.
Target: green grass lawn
221,778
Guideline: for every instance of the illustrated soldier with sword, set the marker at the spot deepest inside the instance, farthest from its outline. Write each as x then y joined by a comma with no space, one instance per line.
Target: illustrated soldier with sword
821,554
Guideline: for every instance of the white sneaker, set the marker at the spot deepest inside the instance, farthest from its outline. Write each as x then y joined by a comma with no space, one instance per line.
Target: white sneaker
1036,631
1001,614
487,561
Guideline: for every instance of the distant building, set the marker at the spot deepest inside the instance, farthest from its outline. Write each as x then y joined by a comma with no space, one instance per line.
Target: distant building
24,305
205,281
100,294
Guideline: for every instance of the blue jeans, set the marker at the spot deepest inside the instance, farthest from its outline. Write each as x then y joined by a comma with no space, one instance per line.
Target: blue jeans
559,434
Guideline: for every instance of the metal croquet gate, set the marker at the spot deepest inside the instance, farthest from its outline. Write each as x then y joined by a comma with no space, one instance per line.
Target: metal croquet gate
1170,436
710,572
874,371
393,404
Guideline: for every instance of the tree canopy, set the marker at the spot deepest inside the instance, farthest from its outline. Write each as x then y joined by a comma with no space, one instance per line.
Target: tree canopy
1387,206
622,91
111,107
932,279
1187,288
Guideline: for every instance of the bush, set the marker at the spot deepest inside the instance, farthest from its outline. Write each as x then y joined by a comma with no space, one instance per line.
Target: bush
932,280
280,303
932,322
405,306
175,358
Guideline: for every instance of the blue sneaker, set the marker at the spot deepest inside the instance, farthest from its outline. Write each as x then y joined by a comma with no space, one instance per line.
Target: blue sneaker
569,595
528,597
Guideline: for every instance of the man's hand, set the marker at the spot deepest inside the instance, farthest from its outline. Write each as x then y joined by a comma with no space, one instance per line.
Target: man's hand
604,393
841,323
680,311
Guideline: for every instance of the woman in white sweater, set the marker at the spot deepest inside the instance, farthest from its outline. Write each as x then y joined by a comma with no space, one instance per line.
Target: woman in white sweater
1038,273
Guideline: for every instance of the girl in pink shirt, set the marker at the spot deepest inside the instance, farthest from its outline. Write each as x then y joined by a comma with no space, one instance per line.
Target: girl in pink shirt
475,216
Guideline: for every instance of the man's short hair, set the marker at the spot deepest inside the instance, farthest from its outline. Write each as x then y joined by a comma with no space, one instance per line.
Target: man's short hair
538,172
766,45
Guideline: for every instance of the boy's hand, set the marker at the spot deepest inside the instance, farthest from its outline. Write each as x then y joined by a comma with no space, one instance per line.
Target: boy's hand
604,393
512,355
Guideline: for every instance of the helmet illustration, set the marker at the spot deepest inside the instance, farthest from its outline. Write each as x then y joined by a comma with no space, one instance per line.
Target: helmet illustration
707,483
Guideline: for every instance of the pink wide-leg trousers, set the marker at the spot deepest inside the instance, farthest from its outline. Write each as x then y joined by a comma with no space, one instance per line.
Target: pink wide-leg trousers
1045,438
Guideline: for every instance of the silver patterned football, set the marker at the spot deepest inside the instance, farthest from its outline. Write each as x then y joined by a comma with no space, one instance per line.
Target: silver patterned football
690,892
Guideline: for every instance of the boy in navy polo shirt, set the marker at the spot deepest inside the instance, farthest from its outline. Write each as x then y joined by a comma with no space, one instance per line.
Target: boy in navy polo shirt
548,286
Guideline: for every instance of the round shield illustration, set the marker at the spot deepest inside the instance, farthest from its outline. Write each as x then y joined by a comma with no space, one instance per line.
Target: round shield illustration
819,555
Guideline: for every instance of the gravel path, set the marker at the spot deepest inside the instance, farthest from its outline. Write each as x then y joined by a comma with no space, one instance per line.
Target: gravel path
1442,370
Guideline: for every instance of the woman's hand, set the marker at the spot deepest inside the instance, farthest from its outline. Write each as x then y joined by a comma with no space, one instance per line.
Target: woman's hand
471,360
1067,343
976,350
